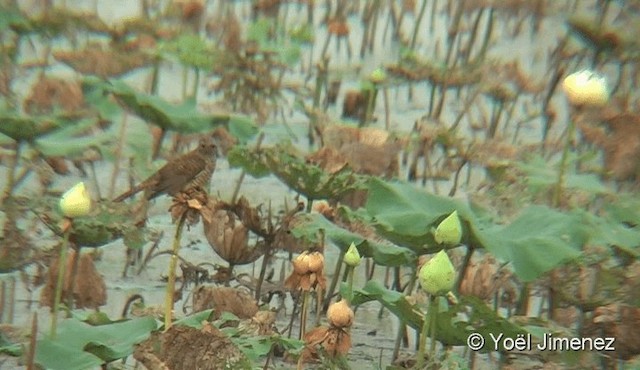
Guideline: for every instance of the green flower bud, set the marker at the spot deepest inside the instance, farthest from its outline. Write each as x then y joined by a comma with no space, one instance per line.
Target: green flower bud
449,231
352,257
378,76
437,275
76,201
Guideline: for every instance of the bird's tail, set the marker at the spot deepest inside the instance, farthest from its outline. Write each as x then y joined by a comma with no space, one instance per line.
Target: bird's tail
127,194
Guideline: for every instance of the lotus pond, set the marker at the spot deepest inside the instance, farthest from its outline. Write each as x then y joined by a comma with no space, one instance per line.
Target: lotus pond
399,184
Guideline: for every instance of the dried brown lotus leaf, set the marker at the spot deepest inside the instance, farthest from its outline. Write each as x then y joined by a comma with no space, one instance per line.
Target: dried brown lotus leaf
338,342
90,290
224,299
95,60
48,93
618,321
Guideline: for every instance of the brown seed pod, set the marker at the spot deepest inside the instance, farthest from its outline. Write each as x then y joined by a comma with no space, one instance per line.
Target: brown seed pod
301,264
340,314
316,262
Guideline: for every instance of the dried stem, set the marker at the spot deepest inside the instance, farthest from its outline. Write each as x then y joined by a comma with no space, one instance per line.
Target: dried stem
173,262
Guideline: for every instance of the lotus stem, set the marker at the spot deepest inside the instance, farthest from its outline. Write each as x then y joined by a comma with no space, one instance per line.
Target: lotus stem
370,105
319,296
402,327
3,290
334,280
387,110
423,340
557,194
12,300
414,36
349,296
185,78
118,154
31,355
236,191
303,314
62,264
433,313
464,268
171,283
263,272
11,176
196,83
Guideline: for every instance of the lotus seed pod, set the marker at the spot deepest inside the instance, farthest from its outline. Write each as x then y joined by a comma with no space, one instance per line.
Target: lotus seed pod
316,262
378,76
352,256
76,201
437,275
586,88
449,231
340,314
301,264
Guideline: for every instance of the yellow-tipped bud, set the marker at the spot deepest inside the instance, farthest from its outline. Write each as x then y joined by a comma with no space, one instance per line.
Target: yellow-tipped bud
76,201
586,88
437,275
449,231
352,256
378,76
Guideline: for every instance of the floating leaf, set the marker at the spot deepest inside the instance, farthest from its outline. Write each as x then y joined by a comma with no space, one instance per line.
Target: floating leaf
183,118
192,51
392,300
540,174
454,323
538,240
59,356
242,127
28,128
308,180
195,320
106,222
406,215
65,143
82,346
249,160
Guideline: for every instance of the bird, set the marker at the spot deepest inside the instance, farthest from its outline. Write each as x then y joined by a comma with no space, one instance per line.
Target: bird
190,170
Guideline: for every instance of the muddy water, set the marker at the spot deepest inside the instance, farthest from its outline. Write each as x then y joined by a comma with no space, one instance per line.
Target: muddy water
373,336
